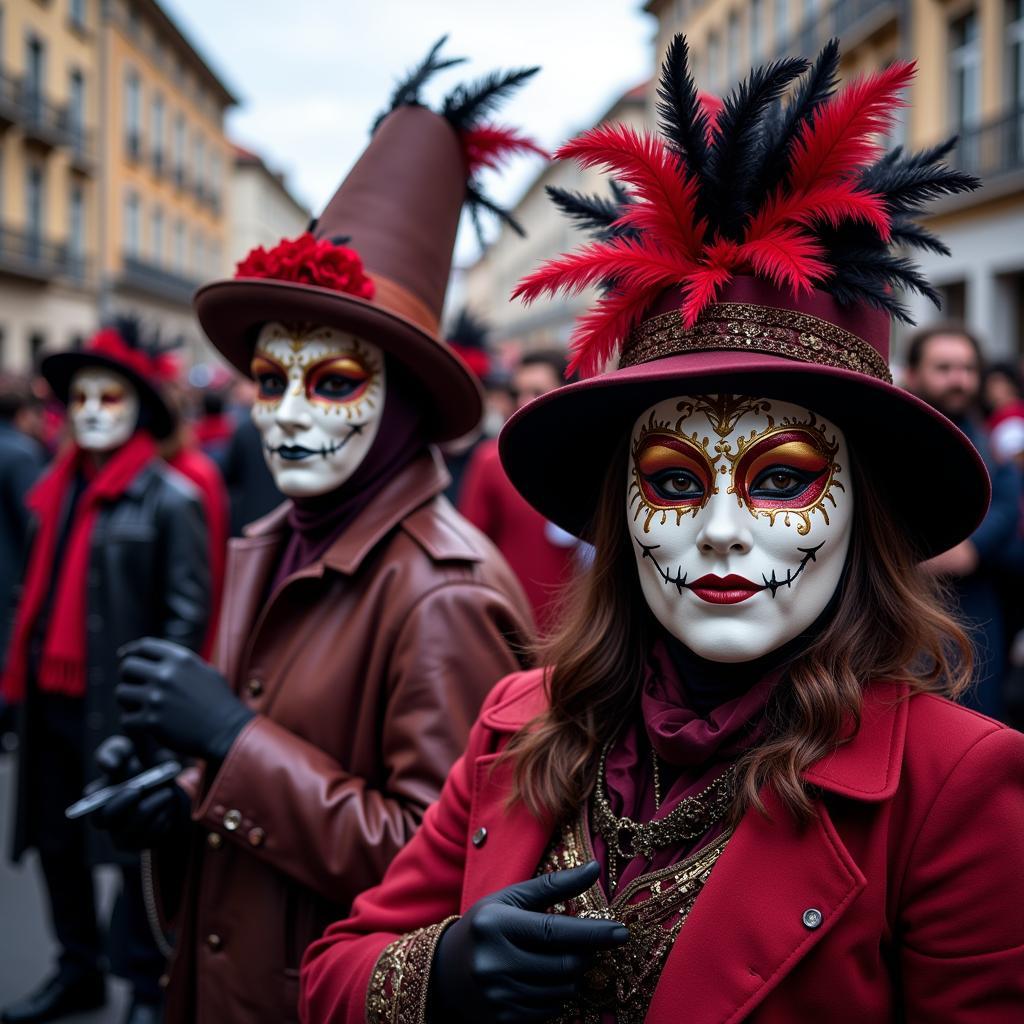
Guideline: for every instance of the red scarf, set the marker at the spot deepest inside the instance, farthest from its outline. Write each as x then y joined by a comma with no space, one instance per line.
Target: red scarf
62,668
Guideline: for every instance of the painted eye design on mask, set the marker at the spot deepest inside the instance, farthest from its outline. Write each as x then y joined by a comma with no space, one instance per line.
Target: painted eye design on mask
339,379
672,472
76,399
787,471
113,396
271,380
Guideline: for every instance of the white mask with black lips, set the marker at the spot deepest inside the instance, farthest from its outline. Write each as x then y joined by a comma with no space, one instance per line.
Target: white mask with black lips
103,409
740,511
319,405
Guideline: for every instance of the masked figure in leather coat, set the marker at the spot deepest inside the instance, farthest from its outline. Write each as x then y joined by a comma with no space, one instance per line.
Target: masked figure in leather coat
119,553
739,792
364,621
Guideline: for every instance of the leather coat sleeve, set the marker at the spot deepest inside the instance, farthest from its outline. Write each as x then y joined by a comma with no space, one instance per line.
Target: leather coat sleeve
330,830
186,571
962,930
422,887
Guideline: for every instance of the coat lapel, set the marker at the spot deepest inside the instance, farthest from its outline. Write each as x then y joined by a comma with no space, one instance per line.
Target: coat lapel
747,930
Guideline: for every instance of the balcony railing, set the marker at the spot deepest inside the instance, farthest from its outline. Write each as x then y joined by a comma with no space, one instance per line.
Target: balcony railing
141,276
993,148
847,19
9,104
28,255
41,120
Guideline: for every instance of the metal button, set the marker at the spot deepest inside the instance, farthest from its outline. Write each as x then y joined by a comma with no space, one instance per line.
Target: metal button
232,819
214,840
214,941
255,687
256,836
812,918
479,837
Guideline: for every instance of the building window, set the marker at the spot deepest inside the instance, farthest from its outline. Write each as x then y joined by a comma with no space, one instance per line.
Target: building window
156,236
76,222
36,346
76,13
35,207
35,76
179,246
179,150
756,31
1015,61
732,47
964,71
132,224
715,68
198,162
198,252
156,129
780,18
133,114
76,107
215,177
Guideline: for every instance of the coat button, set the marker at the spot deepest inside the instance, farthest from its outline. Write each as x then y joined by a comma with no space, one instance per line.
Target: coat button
214,941
479,837
232,819
256,836
214,840
255,687
812,918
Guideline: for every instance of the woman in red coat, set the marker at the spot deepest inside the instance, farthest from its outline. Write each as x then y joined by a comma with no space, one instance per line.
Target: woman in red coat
740,792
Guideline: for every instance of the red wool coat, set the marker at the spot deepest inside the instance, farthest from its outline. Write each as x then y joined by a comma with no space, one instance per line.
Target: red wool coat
915,864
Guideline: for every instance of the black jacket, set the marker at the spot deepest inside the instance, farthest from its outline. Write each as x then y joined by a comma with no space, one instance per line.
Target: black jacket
148,576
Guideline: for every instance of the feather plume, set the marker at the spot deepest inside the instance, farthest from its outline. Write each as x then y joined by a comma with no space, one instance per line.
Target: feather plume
596,214
407,90
702,286
842,137
906,232
788,257
489,145
683,120
466,104
599,332
830,201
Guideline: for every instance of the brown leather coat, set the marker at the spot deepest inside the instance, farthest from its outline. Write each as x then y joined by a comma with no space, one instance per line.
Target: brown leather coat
367,670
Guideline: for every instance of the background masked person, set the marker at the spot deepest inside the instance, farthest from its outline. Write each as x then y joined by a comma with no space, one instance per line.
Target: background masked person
364,621
736,794
119,552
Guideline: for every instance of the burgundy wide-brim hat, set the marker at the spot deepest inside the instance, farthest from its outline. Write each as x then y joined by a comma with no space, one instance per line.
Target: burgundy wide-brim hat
398,211
59,368
758,341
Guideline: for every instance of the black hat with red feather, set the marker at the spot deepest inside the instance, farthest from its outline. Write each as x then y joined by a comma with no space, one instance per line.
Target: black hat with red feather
752,247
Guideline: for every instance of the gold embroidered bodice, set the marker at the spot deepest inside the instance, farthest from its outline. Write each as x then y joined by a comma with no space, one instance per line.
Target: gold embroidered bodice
653,907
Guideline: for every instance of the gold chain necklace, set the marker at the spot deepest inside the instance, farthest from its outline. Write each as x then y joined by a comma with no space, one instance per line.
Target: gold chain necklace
689,819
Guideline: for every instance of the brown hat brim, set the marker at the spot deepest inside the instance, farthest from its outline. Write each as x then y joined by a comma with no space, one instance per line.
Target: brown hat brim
556,449
232,311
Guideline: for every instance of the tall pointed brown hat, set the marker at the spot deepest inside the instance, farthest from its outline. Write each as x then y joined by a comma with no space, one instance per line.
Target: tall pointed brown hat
376,262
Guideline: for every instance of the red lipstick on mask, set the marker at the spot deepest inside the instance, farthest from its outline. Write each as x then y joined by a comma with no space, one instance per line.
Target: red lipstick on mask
729,589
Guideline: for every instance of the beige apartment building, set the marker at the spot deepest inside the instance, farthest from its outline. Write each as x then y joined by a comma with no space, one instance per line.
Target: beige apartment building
114,172
486,286
970,56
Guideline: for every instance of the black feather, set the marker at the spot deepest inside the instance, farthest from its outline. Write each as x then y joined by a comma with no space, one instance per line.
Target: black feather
783,124
681,118
407,90
909,182
469,330
477,202
852,292
733,165
906,232
596,214
466,105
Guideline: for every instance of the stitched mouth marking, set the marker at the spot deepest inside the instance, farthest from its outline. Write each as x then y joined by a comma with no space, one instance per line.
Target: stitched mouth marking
773,584
298,452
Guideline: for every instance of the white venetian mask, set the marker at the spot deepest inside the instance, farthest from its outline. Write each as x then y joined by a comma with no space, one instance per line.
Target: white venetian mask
740,513
318,407
103,409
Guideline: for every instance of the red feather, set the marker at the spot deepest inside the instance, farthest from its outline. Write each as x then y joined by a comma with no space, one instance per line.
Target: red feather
840,137
488,145
599,333
656,175
721,258
711,106
787,256
634,263
830,201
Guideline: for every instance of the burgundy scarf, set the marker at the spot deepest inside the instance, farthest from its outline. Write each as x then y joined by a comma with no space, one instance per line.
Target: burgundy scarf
695,737
317,522
62,668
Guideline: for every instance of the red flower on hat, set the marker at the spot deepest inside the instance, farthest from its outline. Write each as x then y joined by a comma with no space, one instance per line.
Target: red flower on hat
310,260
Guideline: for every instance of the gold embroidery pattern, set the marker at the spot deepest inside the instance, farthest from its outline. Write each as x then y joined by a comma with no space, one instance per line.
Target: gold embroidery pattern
401,977
745,327
653,907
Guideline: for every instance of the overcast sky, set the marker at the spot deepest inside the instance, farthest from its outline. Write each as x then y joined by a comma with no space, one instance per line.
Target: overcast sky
312,74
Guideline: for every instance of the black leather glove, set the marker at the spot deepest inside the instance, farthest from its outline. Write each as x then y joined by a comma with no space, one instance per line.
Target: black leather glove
138,821
506,961
176,698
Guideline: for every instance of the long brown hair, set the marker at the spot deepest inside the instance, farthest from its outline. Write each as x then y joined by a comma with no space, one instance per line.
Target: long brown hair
890,622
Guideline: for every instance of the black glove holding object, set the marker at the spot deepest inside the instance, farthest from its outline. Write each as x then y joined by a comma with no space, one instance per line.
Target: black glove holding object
138,820
507,961
172,695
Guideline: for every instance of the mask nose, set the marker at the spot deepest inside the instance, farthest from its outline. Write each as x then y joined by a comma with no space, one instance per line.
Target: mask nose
292,413
725,528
